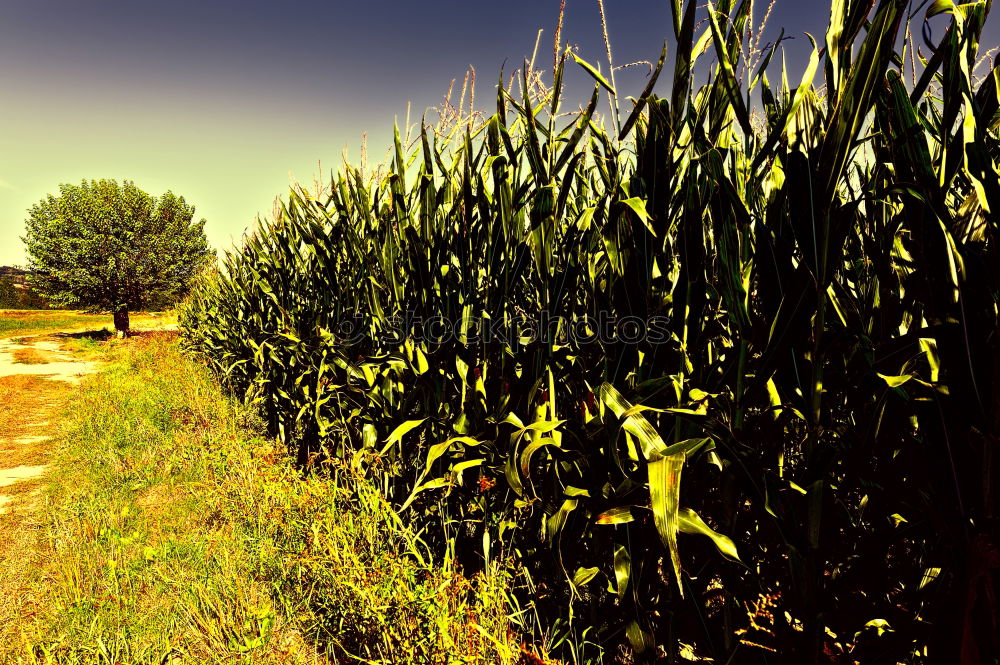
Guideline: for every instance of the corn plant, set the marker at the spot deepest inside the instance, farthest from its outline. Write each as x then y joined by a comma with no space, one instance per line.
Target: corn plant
813,266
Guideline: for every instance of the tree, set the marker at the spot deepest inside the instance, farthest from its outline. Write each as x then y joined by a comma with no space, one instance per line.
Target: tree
107,246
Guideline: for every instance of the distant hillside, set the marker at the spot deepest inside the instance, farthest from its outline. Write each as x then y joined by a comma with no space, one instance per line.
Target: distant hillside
15,292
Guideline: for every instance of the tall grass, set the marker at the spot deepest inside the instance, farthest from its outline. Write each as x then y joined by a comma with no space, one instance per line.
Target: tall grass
172,532
816,277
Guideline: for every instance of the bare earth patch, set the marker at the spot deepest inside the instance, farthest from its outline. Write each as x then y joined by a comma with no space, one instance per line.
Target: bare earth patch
20,473
41,357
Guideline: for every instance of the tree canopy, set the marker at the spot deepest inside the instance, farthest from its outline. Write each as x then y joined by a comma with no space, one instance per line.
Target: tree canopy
111,246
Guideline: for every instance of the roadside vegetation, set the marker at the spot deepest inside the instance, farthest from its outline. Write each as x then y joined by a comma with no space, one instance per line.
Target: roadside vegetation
173,532
799,465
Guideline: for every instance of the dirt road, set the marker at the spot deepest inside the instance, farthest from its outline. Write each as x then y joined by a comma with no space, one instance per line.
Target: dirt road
36,376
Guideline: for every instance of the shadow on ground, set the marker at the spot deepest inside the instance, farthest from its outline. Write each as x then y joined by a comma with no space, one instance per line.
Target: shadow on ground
105,334
94,335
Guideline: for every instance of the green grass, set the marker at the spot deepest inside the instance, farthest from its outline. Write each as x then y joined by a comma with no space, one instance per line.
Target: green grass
33,322
173,533
29,322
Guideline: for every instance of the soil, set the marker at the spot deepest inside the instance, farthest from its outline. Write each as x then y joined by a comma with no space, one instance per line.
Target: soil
36,376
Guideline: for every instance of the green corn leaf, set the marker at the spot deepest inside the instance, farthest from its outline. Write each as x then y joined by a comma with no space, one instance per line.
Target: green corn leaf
895,381
530,450
929,346
640,103
557,86
638,206
555,522
401,431
686,55
635,424
582,122
623,570
584,575
436,483
727,74
467,464
640,639
620,515
664,492
439,449
853,102
689,447
595,74
691,522
766,152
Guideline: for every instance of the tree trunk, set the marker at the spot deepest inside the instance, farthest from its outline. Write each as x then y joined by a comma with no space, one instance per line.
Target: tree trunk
122,323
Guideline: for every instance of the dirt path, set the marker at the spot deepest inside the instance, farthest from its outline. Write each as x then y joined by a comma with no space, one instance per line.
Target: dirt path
36,376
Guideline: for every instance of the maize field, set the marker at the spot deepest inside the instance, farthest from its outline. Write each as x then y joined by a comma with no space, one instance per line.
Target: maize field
713,367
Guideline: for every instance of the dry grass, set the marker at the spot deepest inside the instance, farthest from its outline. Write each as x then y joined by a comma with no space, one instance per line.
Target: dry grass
31,356
24,401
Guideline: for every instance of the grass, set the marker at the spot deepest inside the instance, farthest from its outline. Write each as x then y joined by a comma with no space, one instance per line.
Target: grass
33,322
24,400
30,356
27,322
173,533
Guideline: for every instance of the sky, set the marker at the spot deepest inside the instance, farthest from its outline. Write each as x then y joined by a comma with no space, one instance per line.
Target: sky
226,102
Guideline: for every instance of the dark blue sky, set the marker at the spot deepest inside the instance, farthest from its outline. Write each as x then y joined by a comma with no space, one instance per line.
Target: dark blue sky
222,100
